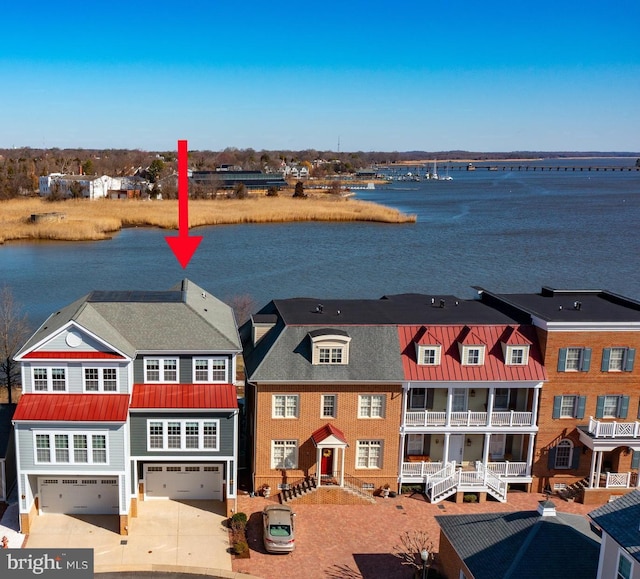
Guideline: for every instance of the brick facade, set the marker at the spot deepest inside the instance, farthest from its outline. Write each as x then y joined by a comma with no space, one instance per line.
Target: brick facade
590,384
309,420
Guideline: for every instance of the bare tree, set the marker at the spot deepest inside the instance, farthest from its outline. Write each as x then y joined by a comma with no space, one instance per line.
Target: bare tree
410,549
243,306
14,330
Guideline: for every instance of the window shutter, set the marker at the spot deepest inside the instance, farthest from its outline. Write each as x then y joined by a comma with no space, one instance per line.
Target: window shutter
623,409
635,459
551,464
557,403
628,363
606,354
586,359
582,402
575,457
562,360
600,407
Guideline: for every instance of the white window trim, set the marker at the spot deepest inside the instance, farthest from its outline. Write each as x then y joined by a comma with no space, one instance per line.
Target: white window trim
70,434
382,407
465,351
49,369
367,443
285,417
511,349
161,359
183,435
286,444
422,349
580,359
623,361
335,406
572,449
101,370
622,554
331,341
575,405
209,360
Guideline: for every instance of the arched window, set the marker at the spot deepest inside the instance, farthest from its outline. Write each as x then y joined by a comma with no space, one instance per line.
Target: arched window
564,454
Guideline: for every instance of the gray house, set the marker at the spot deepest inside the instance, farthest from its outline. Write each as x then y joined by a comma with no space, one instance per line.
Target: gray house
128,396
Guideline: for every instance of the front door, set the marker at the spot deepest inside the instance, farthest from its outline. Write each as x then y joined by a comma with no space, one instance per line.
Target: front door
326,465
456,446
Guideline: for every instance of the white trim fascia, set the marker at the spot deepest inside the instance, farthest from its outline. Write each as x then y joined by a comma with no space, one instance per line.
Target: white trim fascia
321,383
69,423
65,328
69,471
587,326
185,459
183,410
472,384
174,352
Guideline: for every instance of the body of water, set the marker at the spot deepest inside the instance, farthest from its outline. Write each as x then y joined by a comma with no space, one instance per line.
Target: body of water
509,231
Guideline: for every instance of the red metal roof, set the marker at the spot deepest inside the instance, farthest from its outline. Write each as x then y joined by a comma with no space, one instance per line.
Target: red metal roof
73,407
451,369
326,431
74,355
184,396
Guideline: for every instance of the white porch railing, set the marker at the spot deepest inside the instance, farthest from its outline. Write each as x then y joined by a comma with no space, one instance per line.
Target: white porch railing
420,470
614,429
468,419
508,469
618,480
497,486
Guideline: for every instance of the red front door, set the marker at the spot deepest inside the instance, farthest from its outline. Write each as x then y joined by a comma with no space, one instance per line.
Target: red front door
326,465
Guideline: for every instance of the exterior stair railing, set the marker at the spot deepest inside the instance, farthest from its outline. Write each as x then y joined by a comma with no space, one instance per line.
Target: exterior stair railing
439,484
496,486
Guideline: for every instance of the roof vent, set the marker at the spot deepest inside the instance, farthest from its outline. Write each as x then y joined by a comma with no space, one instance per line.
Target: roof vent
546,508
338,312
433,301
560,308
442,303
577,305
319,309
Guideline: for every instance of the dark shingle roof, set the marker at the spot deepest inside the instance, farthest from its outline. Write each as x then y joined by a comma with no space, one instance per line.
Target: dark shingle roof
577,306
621,520
523,545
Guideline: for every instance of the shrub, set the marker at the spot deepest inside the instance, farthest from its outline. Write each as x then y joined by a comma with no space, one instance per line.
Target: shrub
272,192
239,517
240,548
470,498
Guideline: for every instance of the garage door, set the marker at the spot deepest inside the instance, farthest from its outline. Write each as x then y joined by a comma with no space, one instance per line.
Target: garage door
79,496
183,481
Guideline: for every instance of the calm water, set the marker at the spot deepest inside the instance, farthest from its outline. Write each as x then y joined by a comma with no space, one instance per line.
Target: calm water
508,231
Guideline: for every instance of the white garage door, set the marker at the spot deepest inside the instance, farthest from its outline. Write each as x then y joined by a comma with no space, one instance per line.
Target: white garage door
183,481
79,496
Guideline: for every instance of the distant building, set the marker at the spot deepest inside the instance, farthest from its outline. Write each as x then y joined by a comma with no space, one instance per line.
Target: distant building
88,186
228,179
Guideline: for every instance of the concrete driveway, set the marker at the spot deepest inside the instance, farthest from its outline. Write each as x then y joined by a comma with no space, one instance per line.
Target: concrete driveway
187,536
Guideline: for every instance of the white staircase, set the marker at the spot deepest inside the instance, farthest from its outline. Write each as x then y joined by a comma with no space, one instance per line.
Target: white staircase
450,480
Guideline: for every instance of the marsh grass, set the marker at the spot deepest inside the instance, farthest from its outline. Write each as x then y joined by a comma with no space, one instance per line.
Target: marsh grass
94,220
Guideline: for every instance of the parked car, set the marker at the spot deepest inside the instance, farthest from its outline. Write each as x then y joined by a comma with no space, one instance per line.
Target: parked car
278,529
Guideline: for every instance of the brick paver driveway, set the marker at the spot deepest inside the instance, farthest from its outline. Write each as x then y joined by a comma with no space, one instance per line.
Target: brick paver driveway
356,542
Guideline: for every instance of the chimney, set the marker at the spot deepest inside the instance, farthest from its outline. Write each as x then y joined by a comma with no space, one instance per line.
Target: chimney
546,508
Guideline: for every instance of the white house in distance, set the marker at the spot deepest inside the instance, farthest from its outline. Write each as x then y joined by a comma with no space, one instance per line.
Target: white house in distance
91,186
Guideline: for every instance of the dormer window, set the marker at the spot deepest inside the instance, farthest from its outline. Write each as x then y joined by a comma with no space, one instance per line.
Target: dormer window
517,355
329,347
428,355
472,355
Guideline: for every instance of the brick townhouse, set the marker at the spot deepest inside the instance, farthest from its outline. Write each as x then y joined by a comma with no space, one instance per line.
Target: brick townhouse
588,441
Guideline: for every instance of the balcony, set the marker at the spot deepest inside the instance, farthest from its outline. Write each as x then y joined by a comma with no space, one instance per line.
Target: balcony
428,419
510,471
599,429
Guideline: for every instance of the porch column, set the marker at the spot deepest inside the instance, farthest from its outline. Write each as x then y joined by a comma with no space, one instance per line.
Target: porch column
319,464
534,411
447,419
592,473
445,448
487,444
530,452
400,454
342,468
599,469
490,402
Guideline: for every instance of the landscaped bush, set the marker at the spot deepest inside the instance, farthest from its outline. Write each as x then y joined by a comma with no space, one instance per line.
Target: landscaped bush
238,524
470,498
241,549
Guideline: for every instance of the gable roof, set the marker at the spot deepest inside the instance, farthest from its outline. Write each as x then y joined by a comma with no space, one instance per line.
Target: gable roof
184,318
72,408
193,396
523,545
326,431
620,519
451,368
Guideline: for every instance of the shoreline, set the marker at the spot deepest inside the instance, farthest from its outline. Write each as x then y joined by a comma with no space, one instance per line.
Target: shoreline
99,220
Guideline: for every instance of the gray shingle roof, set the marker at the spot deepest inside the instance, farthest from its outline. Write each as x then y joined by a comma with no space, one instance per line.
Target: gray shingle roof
523,545
621,520
185,318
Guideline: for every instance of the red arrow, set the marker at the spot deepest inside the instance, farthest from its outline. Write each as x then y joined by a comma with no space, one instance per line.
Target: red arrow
183,246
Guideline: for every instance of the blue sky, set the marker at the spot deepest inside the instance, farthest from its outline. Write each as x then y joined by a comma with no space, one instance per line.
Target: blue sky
373,76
